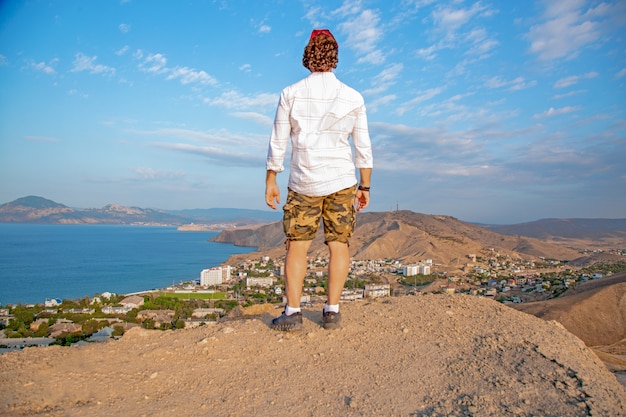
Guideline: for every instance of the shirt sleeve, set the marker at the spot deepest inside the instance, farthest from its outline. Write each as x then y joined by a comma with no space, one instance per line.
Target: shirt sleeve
281,132
362,142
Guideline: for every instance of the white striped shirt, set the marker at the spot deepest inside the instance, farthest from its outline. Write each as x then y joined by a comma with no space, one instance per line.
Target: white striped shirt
319,114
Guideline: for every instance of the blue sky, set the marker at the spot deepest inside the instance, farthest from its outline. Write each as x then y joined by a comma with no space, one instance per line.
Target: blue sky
488,111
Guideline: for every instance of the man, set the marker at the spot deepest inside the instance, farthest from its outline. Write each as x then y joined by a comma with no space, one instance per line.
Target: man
318,115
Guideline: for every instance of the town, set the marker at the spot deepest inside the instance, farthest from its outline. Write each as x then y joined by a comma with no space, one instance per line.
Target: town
226,291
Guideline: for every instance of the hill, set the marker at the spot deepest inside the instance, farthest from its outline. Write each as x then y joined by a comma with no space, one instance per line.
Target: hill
409,237
594,311
434,355
34,209
572,232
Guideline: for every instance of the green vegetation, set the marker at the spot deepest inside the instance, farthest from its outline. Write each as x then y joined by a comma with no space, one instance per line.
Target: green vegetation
195,295
418,279
604,268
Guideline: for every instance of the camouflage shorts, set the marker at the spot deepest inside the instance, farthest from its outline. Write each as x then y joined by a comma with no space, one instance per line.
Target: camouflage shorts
301,219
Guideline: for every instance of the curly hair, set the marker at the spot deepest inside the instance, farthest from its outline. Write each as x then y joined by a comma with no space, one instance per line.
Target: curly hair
321,54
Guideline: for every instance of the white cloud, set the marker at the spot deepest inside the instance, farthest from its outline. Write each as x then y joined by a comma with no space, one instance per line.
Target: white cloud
185,134
516,84
621,74
157,64
573,79
385,79
429,53
245,68
190,75
448,24
363,33
566,29
482,45
265,29
124,28
374,105
154,63
421,97
556,112
569,94
83,62
45,68
122,50
449,19
235,100
255,117
158,175
220,156
3,60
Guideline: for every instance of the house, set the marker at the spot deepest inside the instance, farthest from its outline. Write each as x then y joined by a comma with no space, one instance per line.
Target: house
53,302
80,311
203,312
133,301
34,326
158,316
116,310
61,328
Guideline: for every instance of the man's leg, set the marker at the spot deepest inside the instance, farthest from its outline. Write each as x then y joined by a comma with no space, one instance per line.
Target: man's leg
338,267
295,270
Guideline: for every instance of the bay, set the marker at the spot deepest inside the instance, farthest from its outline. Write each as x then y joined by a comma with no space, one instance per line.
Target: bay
39,261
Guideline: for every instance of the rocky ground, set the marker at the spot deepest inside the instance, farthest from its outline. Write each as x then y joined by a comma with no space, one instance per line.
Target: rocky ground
425,355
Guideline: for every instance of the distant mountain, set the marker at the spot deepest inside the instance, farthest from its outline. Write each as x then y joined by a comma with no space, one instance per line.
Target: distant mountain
605,232
34,209
36,203
409,237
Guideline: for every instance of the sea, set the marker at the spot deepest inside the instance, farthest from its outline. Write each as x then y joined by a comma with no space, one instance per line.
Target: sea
40,261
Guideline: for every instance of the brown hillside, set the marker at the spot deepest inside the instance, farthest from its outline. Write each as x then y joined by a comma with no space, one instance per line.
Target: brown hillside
595,311
408,236
576,233
428,355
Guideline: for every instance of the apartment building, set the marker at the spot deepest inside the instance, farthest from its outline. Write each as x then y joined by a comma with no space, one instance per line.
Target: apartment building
215,276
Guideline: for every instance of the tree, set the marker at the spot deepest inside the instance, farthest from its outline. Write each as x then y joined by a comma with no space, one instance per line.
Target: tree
91,326
42,331
117,331
22,316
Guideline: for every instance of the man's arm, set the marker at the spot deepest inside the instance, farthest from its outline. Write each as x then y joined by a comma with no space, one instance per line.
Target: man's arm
272,192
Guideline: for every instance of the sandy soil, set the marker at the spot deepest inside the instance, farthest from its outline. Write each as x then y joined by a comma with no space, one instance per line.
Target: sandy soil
426,355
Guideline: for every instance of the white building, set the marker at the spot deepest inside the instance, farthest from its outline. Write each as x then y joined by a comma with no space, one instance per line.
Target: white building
377,290
53,302
259,282
214,276
411,270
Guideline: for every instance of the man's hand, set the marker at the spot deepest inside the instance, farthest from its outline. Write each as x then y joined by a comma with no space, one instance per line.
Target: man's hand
272,192
362,199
